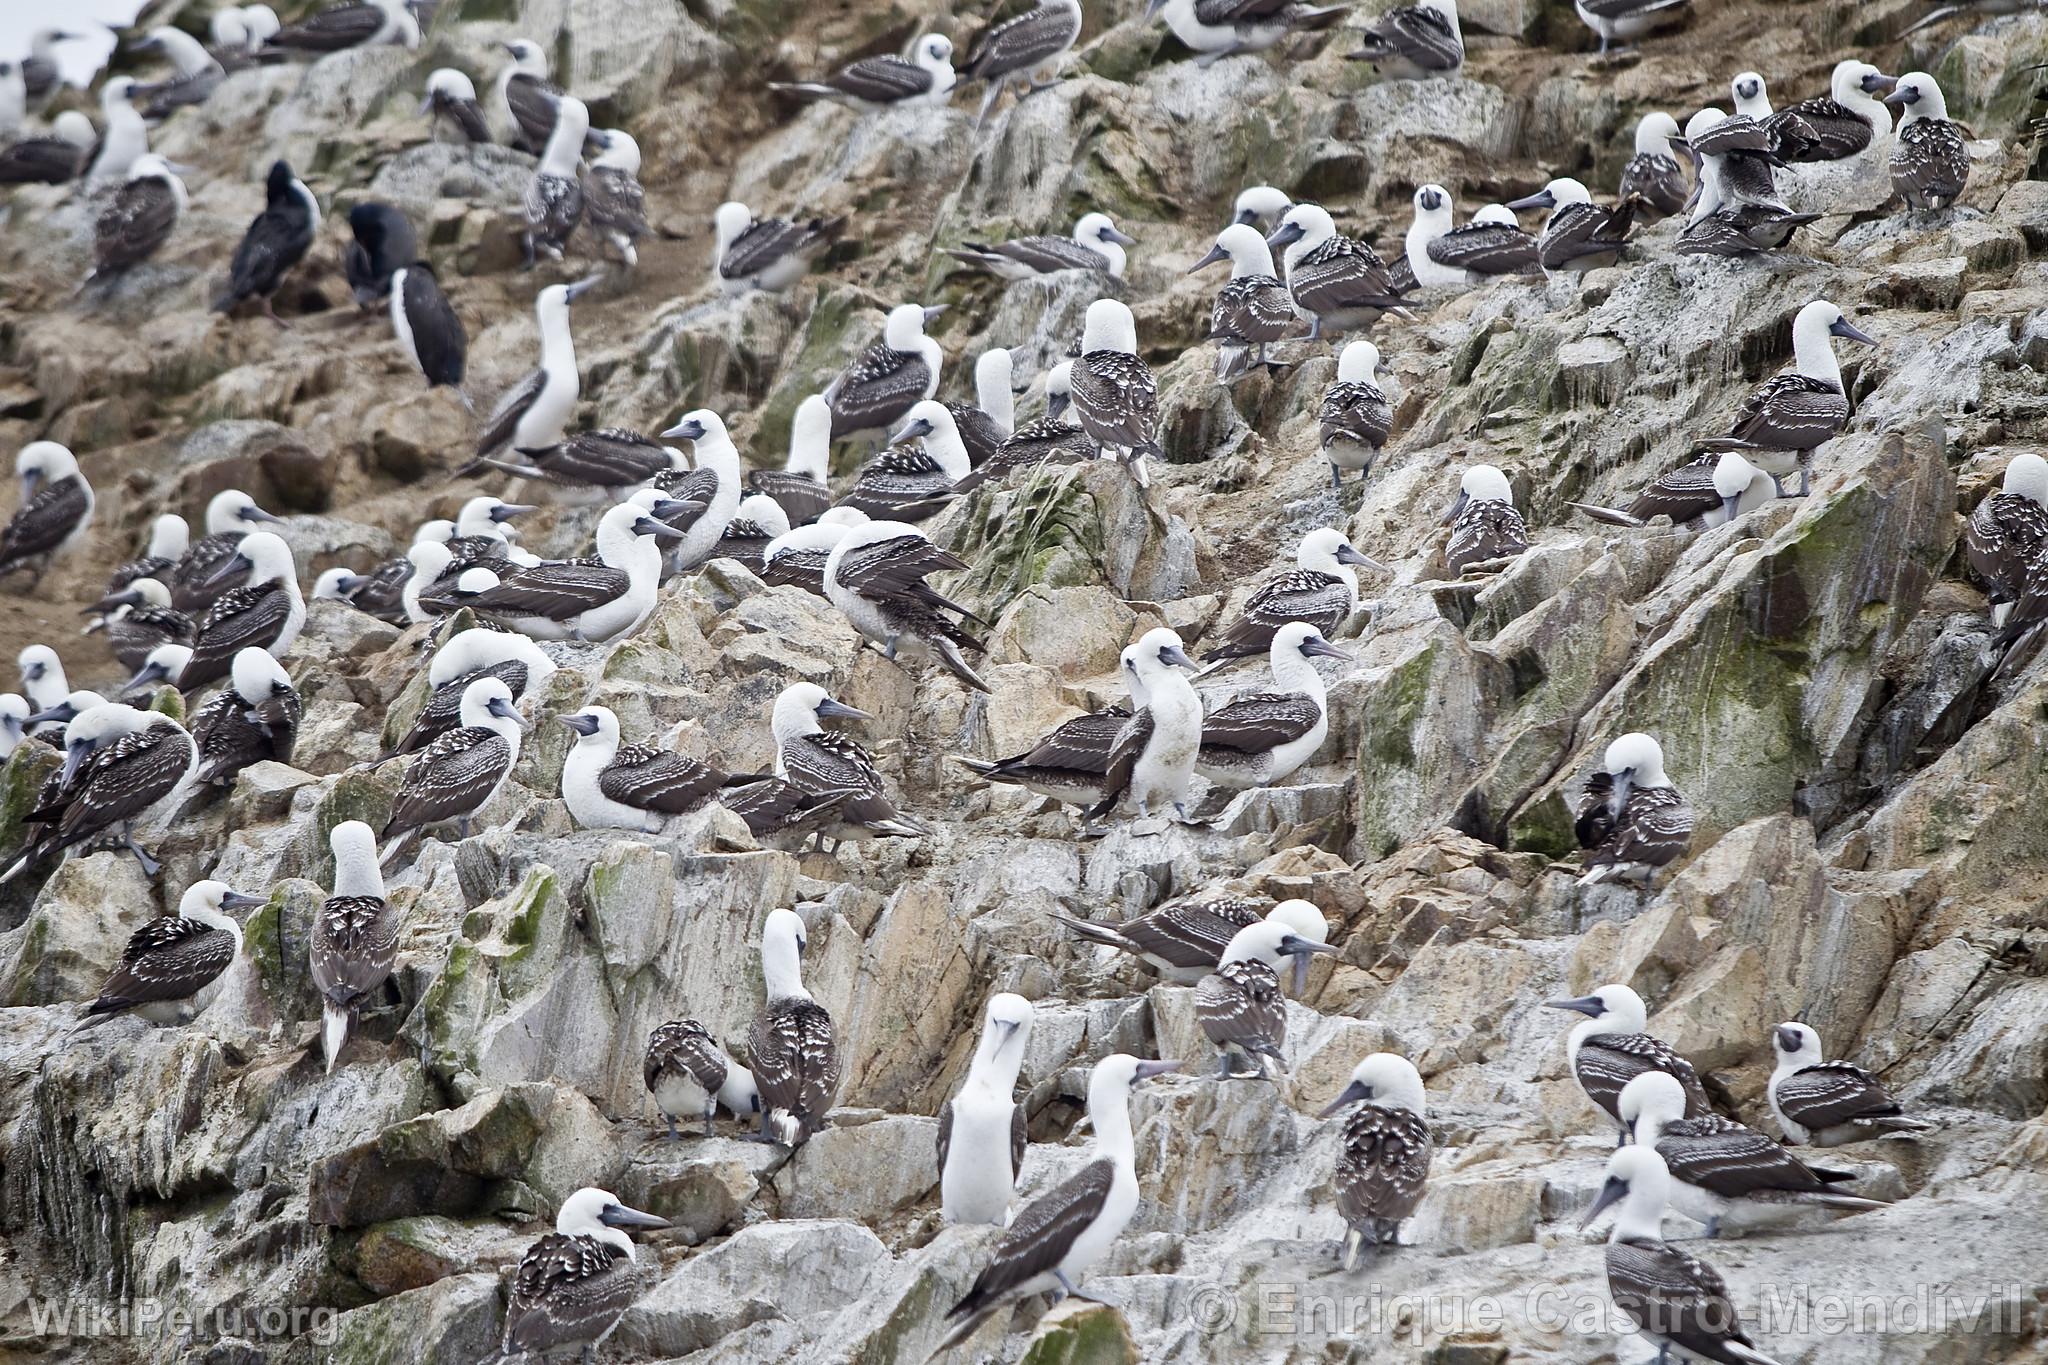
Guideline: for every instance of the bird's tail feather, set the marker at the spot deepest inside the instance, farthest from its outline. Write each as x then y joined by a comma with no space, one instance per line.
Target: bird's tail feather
1097,933
1611,516
334,1022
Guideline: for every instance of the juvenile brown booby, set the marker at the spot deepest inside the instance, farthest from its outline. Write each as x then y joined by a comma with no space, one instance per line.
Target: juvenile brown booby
766,253
1261,738
277,240
927,78
1253,309
1631,818
609,785
1095,244
982,1133
875,575
1383,1160
1339,282
1322,590
1115,397
690,1075
174,966
826,764
1020,46
1415,42
574,1284
1485,527
1825,1103
355,937
138,220
267,612
254,719
1929,164
796,1057
1781,423
1240,1005
457,775
1355,417
1608,1049
889,377
56,510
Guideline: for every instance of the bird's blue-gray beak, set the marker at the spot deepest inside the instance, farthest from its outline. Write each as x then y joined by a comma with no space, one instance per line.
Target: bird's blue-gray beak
1845,328
1318,646
35,671
1215,254
235,900
1057,403
1877,81
1120,238
829,709
74,754
505,511
1147,1070
912,431
1456,507
1176,657
1788,1038
648,526
255,513
1287,234
31,480
1347,554
1612,1193
581,724
229,567
1588,1005
1358,1092
571,291
504,710
931,314
63,713
1542,199
619,1216
692,430
144,676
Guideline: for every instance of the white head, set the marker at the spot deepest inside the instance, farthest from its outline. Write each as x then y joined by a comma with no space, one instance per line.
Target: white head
1310,225
1059,388
1751,98
262,22
256,676
565,144
488,516
904,331
597,725
1097,232
620,152
115,94
1485,483
439,531
1611,1009
1109,1096
1298,916
267,557
487,705
1857,85
1303,918
228,29
1812,349
1325,550
1704,122
1433,208
1637,758
1919,97
150,166
101,724
1654,134
599,1215
1733,475
932,422
1271,942
211,901
1005,1029
1497,213
40,464
1639,1181
528,58
1244,248
356,871
1384,1079
478,648
75,128
449,84
994,373
2027,476
764,512
710,444
169,537
1158,652
934,52
233,512
803,709
14,710
165,663
810,437
1359,363
1109,327
1650,1101
783,940
1259,204
728,221
1797,1045
42,672
429,559
551,305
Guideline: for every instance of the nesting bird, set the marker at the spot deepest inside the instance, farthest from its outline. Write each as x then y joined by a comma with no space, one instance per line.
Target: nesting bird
982,1135
889,377
1339,282
1608,1049
796,1058
355,937
609,785
574,1284
139,220
1702,493
767,253
1095,244
201,575
914,477
1624,21
1185,941
1383,1160
1631,818
254,719
457,774
1929,164
124,137
267,612
1781,423
123,769
174,966
451,96
1355,418
1579,235
1415,42
1321,590
1253,309
276,241
986,423
1152,764
927,78
1066,765
1261,738
1653,176
59,156
1834,126
1217,30
56,510
1827,1103
1447,257
371,23
509,657
1485,527
1115,397
597,598
196,76
688,1073
824,764
1240,1006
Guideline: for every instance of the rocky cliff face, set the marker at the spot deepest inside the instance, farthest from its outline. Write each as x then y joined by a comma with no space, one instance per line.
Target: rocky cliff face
1870,857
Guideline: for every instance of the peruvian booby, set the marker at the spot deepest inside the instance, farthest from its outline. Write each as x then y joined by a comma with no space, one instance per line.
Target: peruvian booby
1631,819
276,241
1653,175
462,659
1703,493
1152,763
1834,126
1215,29
56,510
426,596
1608,1049
1339,282
613,203
574,1284
780,814
554,194
254,719
1261,738
1240,1005
139,618
766,253
531,414
457,775
1022,45
1673,1297
524,98
41,76
267,612
1055,438
122,767
1625,21
2008,531
52,159
982,1133
1259,204
987,422
1322,590
1115,396
913,478
704,499
165,664
796,1058
690,1075
230,517
1253,309
1184,941
607,785
174,966
1579,234
124,137
1094,245
1383,1154
1929,164
428,331
1055,1239
875,575
1725,1174
610,459
1825,1103
1443,256
169,538
1485,527
797,559
198,74
1355,417
596,598
451,96
890,376
801,485
44,683
14,714
369,23
1066,765
139,219
1781,423
1752,100
1415,42
383,244
755,525
927,78
1734,209
824,763
355,937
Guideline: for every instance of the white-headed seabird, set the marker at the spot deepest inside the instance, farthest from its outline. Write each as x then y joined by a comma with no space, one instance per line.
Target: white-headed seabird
914,477
596,598
797,559
1485,527
1837,125
383,243
428,331
368,23
14,714
451,95
267,612
1608,1049
122,767
44,682
1384,1152
1240,1005
708,495
1253,309
1735,209
1707,492
140,218
476,653
1825,1103
574,1284
53,158
198,73
1055,438
1261,738
1355,418
609,785
1752,100
1579,234
1153,760
165,664
1782,422
457,775
1058,1236
796,1058
532,414
1259,204
169,538
1929,162
610,459
124,137
175,965
254,719
1095,244
875,575
1443,256
276,241
56,509
801,485
1415,42
1184,941
613,203
824,763
1339,282
926,78
196,581
1725,1174
355,937
755,524
690,1075
554,195
1624,21
2008,531
41,75
1115,396
1673,1297
1215,29
1322,590
1022,45
766,253
987,422
889,377
1653,174
982,1127
524,97
1631,819
1066,765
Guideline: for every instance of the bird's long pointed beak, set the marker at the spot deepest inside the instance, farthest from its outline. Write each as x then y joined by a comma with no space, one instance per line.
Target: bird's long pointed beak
1215,254
839,710
1178,657
1287,234
1147,1070
619,1216
1354,1093
74,754
1846,328
229,567
1611,1194
1456,507
1587,1005
571,291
